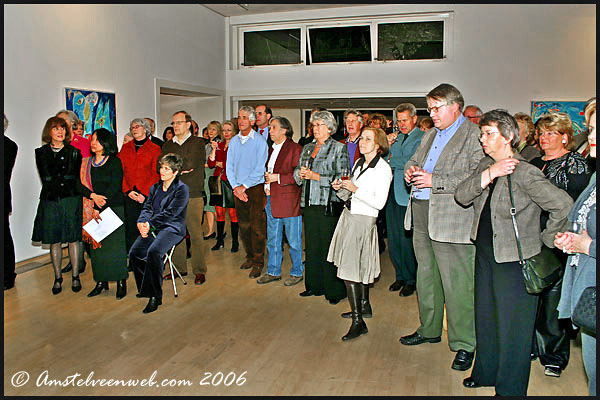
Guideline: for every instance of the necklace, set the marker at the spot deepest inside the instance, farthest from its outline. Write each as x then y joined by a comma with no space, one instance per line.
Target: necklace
100,163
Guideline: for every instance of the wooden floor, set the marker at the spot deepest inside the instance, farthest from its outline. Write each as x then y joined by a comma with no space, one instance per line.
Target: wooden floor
265,337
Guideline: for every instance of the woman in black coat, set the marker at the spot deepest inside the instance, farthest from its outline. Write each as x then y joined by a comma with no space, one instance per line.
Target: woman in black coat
59,213
161,225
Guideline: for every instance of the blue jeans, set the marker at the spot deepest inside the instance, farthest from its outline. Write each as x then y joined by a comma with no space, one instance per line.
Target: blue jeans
293,233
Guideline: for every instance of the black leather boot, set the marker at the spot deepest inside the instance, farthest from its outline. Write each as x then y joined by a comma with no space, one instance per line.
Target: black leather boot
235,244
365,305
100,286
358,326
152,305
121,289
220,238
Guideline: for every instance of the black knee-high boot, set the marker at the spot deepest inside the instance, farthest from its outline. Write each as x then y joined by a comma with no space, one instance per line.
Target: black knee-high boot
235,245
220,238
358,326
365,305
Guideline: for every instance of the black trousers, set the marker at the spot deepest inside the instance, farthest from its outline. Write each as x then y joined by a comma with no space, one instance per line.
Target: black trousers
504,320
400,242
9,253
320,274
132,213
146,260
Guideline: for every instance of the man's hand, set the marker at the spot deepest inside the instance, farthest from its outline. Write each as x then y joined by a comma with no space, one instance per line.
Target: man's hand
240,193
409,174
421,179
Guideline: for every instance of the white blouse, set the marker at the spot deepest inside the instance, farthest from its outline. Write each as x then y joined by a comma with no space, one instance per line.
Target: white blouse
373,187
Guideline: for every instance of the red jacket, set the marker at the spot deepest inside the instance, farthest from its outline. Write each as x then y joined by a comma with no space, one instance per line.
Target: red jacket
285,196
139,168
220,155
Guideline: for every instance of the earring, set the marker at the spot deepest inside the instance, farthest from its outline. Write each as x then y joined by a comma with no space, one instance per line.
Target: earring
564,141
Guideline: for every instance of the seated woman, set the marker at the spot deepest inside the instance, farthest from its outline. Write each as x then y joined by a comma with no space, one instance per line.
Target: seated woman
354,246
504,311
162,226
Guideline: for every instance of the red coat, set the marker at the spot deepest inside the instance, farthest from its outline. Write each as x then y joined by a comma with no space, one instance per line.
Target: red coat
285,196
139,168
220,155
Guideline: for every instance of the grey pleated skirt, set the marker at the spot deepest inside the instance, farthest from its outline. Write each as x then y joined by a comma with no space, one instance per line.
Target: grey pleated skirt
354,248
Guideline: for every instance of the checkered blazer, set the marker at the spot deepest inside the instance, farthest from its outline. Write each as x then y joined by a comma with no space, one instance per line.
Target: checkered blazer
449,222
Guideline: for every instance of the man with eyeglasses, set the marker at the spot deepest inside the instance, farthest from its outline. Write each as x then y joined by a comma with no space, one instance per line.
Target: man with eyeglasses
445,254
474,113
192,150
246,159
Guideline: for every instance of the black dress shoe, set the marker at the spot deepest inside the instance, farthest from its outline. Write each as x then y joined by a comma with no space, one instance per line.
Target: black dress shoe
334,301
212,235
138,295
470,383
57,287
121,289
416,338
306,293
407,290
397,285
463,360
75,284
152,305
9,285
100,286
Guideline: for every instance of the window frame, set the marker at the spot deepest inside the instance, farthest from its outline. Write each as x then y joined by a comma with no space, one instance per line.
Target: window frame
447,17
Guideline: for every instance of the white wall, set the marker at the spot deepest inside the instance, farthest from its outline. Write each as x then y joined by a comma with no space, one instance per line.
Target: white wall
118,48
293,115
202,109
503,56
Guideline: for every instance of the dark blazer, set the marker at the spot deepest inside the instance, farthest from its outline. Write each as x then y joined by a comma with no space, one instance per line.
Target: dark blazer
10,156
285,195
60,173
532,192
171,215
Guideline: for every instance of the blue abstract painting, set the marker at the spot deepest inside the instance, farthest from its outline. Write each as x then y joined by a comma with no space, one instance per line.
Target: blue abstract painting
573,108
96,109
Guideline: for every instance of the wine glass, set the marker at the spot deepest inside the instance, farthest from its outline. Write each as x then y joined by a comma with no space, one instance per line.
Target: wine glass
345,174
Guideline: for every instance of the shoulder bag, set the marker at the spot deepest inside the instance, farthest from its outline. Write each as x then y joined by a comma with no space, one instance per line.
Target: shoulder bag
541,270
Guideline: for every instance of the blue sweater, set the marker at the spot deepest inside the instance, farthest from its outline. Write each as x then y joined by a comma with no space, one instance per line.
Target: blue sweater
246,162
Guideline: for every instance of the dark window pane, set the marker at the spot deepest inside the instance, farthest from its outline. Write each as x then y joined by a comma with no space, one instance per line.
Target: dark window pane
411,41
348,43
272,47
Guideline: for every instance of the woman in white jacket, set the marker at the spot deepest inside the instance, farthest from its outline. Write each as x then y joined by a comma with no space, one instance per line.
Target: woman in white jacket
354,247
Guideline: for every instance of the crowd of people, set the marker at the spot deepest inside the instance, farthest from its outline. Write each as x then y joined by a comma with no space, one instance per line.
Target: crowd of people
440,188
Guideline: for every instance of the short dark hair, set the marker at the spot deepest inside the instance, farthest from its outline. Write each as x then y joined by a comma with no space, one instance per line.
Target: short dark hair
188,117
53,122
107,140
267,109
448,93
171,160
505,123
285,124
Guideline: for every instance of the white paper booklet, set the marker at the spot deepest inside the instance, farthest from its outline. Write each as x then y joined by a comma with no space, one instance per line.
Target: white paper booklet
109,223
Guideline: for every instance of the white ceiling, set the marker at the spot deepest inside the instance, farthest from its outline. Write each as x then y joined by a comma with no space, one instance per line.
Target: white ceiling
230,10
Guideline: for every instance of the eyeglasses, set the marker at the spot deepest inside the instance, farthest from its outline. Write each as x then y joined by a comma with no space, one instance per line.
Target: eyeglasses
435,109
177,123
320,125
134,127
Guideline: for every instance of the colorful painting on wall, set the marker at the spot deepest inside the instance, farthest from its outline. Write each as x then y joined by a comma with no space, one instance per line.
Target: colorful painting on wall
96,109
573,108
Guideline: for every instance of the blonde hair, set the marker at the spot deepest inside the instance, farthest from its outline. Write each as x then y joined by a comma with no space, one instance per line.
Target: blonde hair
559,123
590,109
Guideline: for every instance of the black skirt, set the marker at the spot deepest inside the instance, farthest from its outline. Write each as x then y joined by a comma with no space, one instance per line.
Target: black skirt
58,221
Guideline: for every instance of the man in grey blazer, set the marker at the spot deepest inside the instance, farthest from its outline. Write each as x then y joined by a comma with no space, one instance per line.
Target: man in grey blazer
445,254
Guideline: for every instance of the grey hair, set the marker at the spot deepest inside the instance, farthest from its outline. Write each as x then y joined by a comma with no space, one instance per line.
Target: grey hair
354,112
5,122
479,112
72,116
405,107
327,117
506,124
144,123
250,110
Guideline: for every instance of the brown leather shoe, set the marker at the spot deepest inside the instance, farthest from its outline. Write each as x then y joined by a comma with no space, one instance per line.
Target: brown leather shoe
200,279
168,277
246,265
256,271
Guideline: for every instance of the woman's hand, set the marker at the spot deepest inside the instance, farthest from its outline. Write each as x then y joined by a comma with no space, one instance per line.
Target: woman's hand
349,185
337,184
270,178
305,173
96,216
574,242
503,167
98,199
144,228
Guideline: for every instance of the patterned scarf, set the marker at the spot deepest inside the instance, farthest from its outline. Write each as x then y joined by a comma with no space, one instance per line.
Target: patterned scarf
88,205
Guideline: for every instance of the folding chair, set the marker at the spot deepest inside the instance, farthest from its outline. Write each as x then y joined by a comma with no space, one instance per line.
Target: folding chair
168,258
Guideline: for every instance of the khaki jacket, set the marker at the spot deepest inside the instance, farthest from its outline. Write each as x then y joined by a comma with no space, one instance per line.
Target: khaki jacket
532,193
449,222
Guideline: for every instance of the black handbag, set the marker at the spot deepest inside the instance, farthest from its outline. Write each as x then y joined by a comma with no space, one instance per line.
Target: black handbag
541,270
214,185
584,314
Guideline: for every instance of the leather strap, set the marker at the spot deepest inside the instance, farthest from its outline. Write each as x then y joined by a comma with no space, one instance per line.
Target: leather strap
513,212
